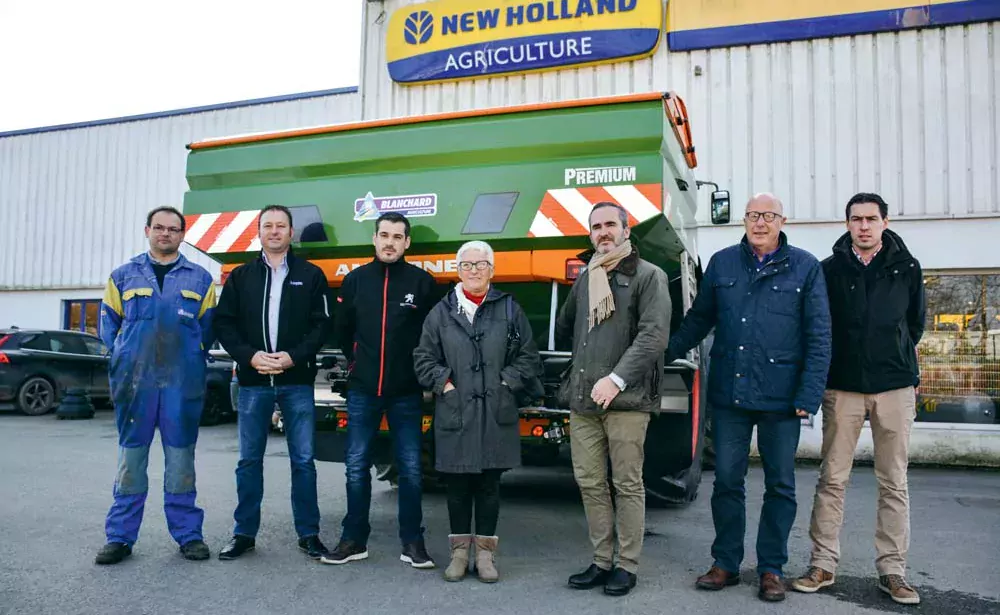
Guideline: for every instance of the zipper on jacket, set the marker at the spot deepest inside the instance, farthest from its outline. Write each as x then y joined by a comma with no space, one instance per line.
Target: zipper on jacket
385,307
263,311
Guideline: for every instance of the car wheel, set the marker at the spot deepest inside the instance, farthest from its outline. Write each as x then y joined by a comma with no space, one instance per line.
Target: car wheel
387,472
214,408
36,397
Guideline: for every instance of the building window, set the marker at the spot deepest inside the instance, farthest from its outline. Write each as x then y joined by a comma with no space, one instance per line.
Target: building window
82,315
959,354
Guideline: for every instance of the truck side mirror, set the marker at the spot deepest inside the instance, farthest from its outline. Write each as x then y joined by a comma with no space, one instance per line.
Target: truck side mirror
720,207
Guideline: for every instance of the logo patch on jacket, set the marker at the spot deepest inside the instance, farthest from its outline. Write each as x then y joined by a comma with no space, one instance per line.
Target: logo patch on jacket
295,283
407,301
185,314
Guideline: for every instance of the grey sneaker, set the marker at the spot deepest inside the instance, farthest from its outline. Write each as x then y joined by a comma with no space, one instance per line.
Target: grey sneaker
898,589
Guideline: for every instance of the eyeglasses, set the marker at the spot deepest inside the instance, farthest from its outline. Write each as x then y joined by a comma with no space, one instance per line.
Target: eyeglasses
478,265
173,230
768,216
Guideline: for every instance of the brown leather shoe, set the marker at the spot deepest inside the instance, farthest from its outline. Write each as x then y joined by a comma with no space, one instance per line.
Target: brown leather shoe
716,578
772,588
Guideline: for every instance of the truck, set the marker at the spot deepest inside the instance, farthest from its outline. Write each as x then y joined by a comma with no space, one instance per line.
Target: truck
522,178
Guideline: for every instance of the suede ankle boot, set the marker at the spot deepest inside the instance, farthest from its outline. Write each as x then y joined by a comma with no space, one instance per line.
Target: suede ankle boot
459,565
486,547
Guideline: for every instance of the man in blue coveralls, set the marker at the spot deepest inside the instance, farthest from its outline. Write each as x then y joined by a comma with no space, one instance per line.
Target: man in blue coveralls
156,319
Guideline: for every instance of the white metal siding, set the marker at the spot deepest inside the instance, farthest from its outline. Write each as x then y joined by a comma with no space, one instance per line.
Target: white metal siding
73,202
912,115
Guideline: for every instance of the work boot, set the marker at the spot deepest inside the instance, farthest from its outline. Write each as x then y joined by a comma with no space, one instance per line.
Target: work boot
195,550
112,553
898,589
813,580
486,547
459,565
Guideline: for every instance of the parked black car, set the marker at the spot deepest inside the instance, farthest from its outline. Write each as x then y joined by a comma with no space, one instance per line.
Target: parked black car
38,366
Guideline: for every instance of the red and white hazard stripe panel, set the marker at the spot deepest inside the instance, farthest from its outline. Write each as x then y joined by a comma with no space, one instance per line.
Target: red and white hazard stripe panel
231,231
565,211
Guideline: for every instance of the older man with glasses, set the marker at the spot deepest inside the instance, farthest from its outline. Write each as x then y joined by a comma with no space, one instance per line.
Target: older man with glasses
768,304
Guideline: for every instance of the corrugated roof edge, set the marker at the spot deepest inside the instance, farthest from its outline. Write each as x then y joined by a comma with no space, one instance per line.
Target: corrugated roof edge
186,111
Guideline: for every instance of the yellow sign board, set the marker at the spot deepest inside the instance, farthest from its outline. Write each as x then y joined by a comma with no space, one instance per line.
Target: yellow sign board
447,40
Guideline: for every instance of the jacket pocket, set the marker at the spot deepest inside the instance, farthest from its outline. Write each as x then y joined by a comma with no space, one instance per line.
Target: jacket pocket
784,298
725,293
138,303
507,406
448,411
781,375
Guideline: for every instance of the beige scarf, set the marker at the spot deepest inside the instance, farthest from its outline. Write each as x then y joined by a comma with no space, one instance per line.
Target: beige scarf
602,302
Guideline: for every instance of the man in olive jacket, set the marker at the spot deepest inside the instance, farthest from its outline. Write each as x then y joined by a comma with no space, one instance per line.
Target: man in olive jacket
618,315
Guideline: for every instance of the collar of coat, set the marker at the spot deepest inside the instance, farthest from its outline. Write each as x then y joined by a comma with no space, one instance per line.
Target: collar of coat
893,251
627,266
146,259
290,258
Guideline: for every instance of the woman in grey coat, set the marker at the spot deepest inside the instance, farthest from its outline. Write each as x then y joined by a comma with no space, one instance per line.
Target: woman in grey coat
477,355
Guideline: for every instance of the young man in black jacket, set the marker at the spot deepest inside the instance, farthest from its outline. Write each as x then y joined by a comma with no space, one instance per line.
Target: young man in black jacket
877,307
380,315
273,316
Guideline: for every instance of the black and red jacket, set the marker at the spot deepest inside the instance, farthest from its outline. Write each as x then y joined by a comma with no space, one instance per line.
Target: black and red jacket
380,314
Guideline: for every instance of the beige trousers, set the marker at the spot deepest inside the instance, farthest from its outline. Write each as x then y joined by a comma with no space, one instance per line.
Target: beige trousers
592,439
891,415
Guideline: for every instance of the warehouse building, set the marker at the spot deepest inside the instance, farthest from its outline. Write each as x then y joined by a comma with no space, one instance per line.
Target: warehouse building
810,104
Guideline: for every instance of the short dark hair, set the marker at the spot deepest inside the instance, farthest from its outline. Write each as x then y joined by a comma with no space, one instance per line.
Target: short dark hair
867,197
168,209
280,208
394,217
622,213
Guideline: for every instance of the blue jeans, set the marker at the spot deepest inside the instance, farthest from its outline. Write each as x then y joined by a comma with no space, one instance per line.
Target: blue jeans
364,414
255,407
777,441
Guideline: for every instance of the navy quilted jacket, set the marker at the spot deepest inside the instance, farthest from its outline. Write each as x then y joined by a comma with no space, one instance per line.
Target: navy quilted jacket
772,329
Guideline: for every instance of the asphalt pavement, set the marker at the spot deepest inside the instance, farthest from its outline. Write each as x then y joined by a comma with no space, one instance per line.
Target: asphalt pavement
55,488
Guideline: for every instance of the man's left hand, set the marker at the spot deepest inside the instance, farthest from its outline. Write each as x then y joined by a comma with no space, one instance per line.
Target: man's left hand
604,392
801,413
283,359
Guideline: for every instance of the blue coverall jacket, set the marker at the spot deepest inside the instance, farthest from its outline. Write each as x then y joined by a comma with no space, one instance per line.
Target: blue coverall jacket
159,341
772,343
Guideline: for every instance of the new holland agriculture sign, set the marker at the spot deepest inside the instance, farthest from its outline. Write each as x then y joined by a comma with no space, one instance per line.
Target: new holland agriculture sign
458,39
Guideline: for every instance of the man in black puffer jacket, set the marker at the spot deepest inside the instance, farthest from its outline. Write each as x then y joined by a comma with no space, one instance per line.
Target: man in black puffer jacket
380,314
877,307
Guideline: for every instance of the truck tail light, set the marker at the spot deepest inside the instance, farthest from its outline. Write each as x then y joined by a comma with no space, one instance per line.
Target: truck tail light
4,359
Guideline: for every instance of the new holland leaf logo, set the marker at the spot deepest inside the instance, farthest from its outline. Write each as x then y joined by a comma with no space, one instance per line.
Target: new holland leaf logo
418,28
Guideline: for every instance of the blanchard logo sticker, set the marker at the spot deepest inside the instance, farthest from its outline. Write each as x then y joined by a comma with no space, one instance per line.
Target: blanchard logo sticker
410,205
418,27
599,175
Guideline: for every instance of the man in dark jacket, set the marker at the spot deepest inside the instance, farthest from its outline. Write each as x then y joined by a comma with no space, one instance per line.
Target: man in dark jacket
877,304
769,361
272,319
618,316
381,309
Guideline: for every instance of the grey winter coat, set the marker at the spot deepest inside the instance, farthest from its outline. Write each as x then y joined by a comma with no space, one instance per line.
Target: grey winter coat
631,343
476,425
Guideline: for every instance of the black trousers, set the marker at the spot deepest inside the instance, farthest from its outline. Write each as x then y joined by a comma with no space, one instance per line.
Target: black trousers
479,492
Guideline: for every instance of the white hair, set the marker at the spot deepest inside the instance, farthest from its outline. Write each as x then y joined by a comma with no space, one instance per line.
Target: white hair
482,246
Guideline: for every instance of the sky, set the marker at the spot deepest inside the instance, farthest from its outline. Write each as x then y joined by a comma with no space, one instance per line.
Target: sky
67,61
